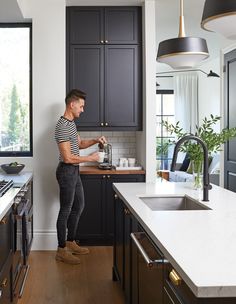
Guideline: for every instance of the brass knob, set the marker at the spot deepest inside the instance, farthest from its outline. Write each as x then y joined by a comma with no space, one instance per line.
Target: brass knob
106,41
102,41
3,221
108,176
175,278
4,283
104,176
102,124
116,196
106,124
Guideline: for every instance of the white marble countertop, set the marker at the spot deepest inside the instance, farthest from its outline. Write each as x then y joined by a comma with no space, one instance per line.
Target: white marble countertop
19,181
200,244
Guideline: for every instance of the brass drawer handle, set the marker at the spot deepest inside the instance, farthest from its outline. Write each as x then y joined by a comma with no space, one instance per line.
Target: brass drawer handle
175,278
106,124
102,124
4,283
116,196
106,41
3,221
108,176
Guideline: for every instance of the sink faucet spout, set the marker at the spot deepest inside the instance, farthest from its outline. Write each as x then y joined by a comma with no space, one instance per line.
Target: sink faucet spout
206,182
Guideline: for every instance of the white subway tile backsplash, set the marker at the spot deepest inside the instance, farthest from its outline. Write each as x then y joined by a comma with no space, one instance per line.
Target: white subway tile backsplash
123,144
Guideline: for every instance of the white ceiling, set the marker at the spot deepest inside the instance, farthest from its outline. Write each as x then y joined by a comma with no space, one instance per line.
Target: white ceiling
10,11
167,18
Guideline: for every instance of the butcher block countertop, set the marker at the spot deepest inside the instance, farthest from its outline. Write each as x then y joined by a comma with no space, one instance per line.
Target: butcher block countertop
96,170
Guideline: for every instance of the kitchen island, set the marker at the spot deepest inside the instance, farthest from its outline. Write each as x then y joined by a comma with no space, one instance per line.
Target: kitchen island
199,244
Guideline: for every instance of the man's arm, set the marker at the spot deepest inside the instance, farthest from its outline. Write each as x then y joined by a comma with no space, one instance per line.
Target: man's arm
85,143
70,158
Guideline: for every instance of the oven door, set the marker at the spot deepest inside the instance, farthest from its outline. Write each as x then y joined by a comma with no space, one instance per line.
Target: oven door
27,231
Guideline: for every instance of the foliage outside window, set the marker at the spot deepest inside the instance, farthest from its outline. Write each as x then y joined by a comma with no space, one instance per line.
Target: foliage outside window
15,90
165,110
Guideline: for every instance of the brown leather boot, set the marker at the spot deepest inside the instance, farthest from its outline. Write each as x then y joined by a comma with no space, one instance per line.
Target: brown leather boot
74,248
65,255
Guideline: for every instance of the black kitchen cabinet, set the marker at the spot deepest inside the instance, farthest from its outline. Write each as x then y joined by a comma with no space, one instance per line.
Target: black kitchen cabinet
104,25
108,71
5,282
6,231
124,224
96,224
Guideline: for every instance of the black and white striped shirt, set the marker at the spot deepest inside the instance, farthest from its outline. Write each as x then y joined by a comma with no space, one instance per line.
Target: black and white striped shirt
66,131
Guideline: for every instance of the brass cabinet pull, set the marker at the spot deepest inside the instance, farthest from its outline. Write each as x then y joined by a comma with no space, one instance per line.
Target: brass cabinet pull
106,124
108,176
106,41
3,221
102,124
102,41
175,278
104,176
116,196
127,212
4,283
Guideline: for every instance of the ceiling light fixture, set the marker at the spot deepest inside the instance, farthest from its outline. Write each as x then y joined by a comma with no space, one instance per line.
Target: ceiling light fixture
182,52
220,16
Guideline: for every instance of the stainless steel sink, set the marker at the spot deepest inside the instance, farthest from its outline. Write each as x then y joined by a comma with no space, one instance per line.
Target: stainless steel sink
183,202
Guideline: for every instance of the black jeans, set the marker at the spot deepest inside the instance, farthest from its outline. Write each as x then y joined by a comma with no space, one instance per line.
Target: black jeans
71,202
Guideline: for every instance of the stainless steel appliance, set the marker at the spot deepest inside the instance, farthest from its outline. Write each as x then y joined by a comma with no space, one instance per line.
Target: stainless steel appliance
107,163
151,262
20,232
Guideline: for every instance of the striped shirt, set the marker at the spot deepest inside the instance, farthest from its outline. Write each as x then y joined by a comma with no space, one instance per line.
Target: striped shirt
66,131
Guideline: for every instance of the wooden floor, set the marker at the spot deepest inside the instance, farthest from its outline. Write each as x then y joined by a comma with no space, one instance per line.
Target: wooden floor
52,282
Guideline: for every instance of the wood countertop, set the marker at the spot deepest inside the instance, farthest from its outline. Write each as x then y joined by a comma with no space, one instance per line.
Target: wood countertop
96,170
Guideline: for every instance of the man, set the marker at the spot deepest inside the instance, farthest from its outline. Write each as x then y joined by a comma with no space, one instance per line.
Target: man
68,177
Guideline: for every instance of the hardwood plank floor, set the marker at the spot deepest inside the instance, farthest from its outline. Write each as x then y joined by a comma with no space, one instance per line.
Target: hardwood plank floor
52,282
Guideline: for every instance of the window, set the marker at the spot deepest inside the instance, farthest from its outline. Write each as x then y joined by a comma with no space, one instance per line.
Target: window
165,110
15,90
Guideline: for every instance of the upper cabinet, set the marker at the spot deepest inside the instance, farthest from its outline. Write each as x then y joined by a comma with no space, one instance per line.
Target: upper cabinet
104,60
110,25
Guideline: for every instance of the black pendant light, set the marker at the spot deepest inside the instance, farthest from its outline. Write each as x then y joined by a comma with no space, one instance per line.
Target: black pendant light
182,52
220,16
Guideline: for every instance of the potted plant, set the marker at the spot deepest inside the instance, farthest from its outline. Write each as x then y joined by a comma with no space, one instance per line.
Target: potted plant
206,132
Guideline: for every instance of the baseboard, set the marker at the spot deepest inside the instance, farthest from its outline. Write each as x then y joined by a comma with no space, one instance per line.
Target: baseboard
44,240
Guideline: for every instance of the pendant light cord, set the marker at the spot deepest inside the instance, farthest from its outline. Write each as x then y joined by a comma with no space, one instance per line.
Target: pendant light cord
181,21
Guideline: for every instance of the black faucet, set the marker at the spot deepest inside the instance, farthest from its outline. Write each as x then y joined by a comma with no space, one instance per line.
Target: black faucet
206,182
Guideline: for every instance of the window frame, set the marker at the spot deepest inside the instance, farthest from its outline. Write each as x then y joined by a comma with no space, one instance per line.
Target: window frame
30,152
163,92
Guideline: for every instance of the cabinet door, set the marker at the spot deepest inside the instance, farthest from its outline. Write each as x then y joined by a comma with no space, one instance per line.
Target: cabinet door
122,86
91,224
5,282
122,25
110,201
85,25
5,237
119,242
86,72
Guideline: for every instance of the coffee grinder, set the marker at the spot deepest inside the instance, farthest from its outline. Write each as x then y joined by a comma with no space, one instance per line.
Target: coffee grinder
107,162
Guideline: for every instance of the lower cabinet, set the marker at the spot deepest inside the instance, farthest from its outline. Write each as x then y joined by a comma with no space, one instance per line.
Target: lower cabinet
96,225
142,270
141,279
5,282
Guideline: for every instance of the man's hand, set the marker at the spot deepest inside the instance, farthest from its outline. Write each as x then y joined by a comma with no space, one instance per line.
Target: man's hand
94,157
101,140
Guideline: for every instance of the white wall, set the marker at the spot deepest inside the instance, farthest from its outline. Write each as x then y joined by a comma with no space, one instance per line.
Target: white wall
146,140
48,18
48,25
209,91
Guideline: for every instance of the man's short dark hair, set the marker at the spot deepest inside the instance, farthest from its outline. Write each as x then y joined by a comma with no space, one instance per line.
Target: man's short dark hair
75,94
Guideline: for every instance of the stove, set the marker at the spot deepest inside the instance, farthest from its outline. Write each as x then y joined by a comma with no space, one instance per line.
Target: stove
5,186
